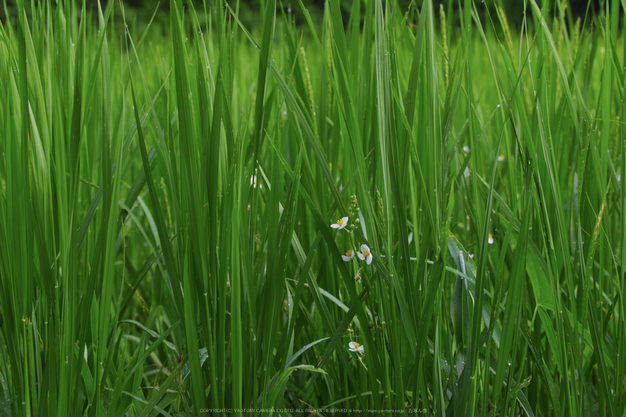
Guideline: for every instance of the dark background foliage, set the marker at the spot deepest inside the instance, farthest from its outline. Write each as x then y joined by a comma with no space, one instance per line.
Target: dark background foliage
249,9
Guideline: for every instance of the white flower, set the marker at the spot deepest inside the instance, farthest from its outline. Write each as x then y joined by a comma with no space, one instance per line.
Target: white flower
253,181
349,255
501,158
466,173
358,279
365,254
466,149
356,347
490,239
341,223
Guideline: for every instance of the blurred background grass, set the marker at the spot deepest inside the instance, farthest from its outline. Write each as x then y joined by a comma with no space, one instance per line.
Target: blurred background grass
142,10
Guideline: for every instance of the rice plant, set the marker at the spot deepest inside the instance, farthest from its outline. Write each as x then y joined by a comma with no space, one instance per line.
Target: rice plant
387,211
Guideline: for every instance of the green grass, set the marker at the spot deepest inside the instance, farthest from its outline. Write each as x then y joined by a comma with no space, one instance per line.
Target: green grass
143,274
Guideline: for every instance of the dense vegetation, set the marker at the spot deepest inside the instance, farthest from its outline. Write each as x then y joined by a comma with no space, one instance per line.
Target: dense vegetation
181,206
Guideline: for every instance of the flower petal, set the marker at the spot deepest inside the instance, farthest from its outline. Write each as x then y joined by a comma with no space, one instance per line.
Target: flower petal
369,259
335,226
348,256
364,248
360,255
